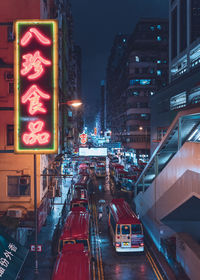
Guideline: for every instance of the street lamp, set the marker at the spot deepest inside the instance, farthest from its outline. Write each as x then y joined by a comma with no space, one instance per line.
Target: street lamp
145,129
73,103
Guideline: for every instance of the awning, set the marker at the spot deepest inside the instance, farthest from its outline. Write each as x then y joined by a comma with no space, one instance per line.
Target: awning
12,257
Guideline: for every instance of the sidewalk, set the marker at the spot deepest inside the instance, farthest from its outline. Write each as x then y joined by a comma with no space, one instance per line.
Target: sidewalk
45,258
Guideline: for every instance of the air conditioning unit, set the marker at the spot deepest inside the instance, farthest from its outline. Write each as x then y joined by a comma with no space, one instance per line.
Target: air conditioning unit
15,213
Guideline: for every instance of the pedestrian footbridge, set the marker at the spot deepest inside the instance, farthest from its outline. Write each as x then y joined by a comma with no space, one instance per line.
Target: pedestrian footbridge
167,194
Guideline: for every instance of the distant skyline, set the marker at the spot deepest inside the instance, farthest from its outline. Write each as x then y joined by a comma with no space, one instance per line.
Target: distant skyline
95,25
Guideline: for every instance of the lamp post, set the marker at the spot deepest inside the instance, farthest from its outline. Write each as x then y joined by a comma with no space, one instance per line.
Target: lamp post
145,129
75,103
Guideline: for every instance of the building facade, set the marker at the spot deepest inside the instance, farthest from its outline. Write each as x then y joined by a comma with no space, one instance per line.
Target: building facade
17,170
142,70
183,90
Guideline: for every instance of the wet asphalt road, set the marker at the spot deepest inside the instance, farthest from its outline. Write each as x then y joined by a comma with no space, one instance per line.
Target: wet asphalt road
126,266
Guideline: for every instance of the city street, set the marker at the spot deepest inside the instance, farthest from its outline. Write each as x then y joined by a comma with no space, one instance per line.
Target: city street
112,265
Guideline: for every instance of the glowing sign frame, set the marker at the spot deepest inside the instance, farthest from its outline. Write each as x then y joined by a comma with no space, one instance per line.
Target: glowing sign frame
19,146
83,138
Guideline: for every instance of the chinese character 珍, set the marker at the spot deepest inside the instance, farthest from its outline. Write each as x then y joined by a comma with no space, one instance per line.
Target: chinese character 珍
34,62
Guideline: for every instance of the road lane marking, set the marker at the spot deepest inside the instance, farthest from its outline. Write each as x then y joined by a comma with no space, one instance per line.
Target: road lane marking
98,249
98,266
154,266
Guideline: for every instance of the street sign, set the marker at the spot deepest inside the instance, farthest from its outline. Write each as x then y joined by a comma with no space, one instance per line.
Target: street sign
36,86
39,248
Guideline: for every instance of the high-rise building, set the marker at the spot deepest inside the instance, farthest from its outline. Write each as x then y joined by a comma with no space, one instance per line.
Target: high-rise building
103,105
183,90
142,69
184,52
112,74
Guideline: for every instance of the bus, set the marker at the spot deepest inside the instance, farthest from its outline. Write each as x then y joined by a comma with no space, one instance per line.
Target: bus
82,182
114,166
79,198
100,170
125,228
72,263
76,229
119,174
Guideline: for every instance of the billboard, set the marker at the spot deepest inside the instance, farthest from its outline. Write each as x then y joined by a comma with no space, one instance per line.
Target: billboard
93,152
36,86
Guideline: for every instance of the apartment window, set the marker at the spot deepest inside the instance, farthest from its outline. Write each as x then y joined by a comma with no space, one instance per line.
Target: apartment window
137,59
159,72
10,33
137,70
183,25
18,186
144,70
161,131
10,87
140,82
178,101
174,33
10,135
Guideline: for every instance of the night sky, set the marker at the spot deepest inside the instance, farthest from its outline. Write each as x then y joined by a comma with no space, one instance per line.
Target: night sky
96,22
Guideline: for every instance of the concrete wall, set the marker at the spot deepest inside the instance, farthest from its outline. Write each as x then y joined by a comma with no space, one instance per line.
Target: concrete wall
188,255
177,182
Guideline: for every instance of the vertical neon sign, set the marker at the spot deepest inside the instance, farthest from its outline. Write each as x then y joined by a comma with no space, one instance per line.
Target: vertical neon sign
83,138
36,86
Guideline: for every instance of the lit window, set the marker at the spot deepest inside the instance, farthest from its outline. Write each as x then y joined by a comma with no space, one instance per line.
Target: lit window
152,93
124,40
69,113
159,27
152,28
158,61
145,81
159,38
159,72
137,59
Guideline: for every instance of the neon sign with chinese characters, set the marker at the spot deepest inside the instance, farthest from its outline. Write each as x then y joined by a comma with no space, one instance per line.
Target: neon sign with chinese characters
83,138
36,85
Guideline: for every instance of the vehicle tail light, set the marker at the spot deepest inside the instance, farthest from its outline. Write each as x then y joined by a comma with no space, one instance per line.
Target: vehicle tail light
118,244
118,236
142,244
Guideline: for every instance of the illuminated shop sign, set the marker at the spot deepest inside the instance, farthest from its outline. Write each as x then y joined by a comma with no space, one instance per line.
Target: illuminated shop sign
83,138
93,152
36,74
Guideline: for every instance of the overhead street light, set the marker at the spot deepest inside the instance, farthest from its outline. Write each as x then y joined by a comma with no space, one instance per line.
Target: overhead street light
73,103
